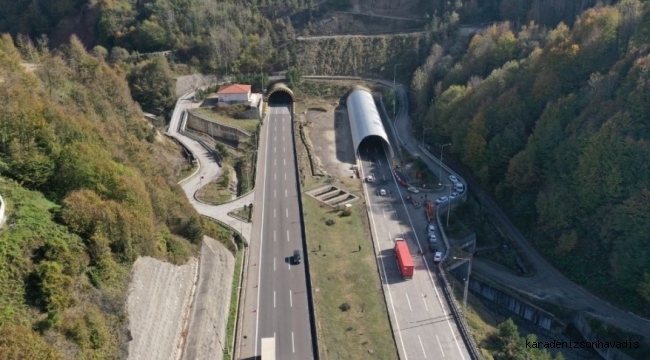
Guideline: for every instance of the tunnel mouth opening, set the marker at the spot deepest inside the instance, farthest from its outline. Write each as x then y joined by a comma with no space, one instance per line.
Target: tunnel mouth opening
280,97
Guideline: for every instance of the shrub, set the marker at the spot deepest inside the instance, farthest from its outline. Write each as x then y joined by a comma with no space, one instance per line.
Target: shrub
346,212
329,222
345,307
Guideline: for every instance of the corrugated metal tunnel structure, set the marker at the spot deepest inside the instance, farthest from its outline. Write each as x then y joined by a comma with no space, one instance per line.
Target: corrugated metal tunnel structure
364,120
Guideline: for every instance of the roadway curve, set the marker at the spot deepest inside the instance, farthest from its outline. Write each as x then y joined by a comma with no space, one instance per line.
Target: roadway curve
548,284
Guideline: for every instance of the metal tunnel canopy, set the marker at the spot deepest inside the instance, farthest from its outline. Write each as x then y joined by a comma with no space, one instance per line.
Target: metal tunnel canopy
364,119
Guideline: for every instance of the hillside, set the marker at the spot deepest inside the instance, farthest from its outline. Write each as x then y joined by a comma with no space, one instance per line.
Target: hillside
88,190
555,123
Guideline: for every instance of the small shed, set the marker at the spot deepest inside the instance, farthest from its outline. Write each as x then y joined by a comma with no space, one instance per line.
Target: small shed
234,93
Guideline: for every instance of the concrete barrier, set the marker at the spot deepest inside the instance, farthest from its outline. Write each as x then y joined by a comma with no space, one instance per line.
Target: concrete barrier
229,133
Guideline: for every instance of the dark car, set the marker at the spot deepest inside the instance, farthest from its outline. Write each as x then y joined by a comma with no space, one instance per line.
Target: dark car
296,257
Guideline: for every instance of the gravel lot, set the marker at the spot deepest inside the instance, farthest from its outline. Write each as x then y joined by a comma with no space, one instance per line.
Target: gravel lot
159,297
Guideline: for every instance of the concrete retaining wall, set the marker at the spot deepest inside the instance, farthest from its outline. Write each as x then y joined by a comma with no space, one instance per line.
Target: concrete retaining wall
607,353
219,131
2,212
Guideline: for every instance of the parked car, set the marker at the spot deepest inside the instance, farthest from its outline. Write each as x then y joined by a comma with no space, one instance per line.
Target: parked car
453,178
437,257
296,257
381,192
413,189
432,237
453,195
370,178
431,228
441,200
460,187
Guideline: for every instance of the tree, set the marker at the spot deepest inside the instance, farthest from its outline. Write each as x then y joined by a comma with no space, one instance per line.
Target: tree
294,76
118,55
100,52
152,84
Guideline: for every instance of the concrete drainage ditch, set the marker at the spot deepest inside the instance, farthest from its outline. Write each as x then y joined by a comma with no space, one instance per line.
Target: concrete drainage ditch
332,195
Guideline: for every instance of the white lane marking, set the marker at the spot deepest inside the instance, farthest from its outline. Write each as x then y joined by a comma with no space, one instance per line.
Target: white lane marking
408,300
293,347
274,300
379,162
390,236
417,241
384,214
439,344
290,299
287,211
287,235
259,270
424,298
289,264
274,212
273,235
285,161
274,149
383,275
285,193
284,149
384,176
422,346
285,176
274,266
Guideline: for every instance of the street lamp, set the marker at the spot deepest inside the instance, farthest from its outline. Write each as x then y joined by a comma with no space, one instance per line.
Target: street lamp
394,90
423,130
466,279
442,147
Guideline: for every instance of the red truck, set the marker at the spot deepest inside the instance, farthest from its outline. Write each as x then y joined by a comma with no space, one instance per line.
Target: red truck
429,209
404,258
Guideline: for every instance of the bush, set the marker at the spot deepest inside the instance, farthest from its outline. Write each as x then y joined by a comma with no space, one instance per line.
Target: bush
345,307
329,222
346,212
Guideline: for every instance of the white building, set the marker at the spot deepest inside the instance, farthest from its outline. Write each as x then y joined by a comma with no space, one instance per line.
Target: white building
234,93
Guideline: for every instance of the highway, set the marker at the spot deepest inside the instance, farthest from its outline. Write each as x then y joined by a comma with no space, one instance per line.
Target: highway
282,309
423,324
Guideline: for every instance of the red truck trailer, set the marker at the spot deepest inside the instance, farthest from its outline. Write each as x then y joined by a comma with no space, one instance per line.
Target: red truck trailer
404,258
429,209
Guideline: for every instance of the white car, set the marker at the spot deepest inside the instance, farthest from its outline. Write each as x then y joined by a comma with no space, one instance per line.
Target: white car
432,237
441,200
413,189
453,178
437,257
370,178
381,192
431,228
460,187
453,195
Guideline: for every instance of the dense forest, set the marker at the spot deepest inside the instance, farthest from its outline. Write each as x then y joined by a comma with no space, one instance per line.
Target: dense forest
88,189
555,122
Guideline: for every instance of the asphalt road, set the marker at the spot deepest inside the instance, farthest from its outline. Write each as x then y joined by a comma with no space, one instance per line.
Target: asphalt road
423,324
282,308
548,284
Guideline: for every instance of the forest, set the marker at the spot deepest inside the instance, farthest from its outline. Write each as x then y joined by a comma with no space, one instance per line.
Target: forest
88,190
554,121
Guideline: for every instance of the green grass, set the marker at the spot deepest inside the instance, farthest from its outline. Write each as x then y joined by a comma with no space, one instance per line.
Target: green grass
247,125
217,192
232,313
340,274
186,171
243,213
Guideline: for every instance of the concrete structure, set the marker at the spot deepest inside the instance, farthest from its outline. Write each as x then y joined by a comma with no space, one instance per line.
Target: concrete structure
221,132
365,121
234,94
2,212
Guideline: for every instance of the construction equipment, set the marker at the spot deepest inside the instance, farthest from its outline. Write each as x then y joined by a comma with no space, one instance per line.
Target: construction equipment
429,209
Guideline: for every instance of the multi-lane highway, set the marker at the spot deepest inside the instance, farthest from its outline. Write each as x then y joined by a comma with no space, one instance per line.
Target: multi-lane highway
423,323
282,308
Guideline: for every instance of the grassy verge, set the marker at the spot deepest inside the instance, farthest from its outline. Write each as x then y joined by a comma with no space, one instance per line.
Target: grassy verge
234,301
245,213
217,192
244,124
187,170
343,275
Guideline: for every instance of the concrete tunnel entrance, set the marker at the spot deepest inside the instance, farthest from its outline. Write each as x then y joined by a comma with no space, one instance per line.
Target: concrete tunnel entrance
279,94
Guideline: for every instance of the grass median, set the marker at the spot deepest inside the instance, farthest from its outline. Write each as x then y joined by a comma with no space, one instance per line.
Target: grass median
351,314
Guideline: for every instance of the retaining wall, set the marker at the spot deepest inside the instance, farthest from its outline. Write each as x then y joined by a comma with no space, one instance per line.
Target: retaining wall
220,131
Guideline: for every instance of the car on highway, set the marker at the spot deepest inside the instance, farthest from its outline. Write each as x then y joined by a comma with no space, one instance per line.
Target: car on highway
370,178
431,228
437,257
296,257
441,200
381,192
453,178
413,189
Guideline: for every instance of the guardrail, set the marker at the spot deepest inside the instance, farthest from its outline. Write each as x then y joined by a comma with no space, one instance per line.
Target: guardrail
181,130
